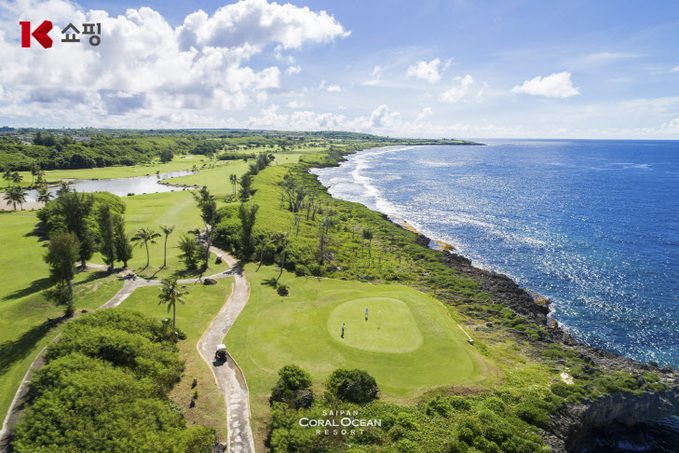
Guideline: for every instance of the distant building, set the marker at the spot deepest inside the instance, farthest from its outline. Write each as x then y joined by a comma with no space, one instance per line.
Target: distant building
82,139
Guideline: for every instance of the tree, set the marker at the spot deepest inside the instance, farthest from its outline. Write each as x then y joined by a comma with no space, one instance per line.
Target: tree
63,189
7,176
208,212
107,245
167,230
355,386
293,387
165,156
75,208
122,241
170,295
34,172
144,236
247,218
44,195
368,234
234,181
62,254
245,187
14,195
280,239
191,251
17,178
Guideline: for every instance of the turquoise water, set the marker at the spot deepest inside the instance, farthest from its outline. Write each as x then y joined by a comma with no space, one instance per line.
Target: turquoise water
592,225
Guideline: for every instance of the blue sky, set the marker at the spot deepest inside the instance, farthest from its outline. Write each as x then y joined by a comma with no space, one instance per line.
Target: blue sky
468,69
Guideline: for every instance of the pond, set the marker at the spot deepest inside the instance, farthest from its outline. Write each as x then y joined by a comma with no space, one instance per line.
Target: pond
122,187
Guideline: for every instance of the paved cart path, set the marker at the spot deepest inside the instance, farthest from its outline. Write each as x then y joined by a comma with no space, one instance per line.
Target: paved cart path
228,375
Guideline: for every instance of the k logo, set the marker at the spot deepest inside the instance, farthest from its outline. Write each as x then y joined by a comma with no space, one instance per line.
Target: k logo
40,34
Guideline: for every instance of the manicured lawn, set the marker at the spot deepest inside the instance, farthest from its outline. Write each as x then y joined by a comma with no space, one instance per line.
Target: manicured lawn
202,305
410,344
217,178
167,208
178,163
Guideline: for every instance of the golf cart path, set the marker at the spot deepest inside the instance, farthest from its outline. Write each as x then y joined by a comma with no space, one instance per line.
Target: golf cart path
228,375
230,382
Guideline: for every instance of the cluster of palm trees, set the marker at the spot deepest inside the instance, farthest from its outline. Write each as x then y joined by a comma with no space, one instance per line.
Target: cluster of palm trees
146,235
15,194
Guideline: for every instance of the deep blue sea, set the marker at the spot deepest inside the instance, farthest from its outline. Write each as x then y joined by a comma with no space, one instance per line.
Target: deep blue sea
593,225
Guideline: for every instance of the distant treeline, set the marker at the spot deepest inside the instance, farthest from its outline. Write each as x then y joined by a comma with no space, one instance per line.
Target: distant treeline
30,149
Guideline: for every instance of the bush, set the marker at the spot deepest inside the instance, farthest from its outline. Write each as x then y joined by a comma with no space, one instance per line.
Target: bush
282,290
355,386
293,387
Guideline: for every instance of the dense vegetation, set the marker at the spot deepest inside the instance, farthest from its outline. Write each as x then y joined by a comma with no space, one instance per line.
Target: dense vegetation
103,389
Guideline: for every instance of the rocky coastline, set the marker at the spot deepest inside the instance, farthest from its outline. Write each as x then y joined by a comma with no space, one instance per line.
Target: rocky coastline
574,427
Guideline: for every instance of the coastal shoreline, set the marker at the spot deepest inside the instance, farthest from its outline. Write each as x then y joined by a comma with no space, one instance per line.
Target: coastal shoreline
573,426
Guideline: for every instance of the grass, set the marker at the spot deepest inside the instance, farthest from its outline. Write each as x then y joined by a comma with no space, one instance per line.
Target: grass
23,309
184,162
202,305
404,354
217,178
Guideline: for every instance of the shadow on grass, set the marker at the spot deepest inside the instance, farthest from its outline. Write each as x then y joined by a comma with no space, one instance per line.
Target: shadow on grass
34,287
92,276
272,282
14,350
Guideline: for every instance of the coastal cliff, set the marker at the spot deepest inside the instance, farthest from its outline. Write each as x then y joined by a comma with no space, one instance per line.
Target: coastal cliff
575,427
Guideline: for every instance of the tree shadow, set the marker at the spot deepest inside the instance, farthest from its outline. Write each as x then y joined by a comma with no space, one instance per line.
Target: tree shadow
34,287
92,276
272,282
14,350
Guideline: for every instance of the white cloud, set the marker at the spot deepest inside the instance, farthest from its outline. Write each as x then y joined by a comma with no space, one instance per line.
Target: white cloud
144,65
297,104
675,69
553,86
334,88
383,118
426,112
376,77
425,71
462,90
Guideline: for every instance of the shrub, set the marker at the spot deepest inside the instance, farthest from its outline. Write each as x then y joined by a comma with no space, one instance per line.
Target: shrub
293,387
282,290
356,386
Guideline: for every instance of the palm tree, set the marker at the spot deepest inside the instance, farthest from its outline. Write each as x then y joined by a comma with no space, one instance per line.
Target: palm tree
44,195
7,176
234,181
280,239
17,178
40,180
63,189
34,172
14,195
144,236
170,295
166,231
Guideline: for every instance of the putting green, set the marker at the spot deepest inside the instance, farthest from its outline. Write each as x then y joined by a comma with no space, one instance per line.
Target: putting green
388,327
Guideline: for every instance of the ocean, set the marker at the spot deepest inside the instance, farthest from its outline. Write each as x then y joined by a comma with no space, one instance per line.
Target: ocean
593,225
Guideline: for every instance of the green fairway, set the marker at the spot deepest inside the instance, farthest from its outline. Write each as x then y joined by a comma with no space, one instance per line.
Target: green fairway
216,179
417,346
389,326
178,163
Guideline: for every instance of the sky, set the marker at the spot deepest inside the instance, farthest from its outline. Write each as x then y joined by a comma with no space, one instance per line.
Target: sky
428,68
